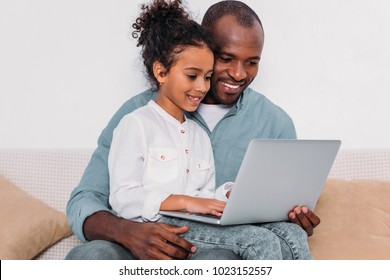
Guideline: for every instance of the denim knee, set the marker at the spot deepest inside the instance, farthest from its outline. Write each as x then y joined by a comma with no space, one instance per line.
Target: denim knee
264,243
247,241
99,250
215,254
293,238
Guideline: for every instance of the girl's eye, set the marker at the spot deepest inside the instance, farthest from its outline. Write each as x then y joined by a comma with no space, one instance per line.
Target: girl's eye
208,78
191,77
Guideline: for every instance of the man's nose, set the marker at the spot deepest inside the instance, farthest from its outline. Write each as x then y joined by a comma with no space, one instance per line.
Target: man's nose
237,71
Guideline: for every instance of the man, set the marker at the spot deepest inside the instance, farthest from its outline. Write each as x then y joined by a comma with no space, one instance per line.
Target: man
232,115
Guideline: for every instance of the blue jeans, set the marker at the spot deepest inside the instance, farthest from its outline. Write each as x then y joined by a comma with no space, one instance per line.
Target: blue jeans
106,250
271,241
262,241
292,238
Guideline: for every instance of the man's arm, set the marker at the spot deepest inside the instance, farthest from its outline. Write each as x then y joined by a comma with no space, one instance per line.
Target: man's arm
89,212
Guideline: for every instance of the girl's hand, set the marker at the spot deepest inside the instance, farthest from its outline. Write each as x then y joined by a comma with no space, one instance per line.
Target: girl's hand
205,206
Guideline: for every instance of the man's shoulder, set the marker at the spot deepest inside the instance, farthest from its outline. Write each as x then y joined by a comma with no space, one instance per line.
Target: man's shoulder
127,107
134,103
258,102
137,113
272,120
140,99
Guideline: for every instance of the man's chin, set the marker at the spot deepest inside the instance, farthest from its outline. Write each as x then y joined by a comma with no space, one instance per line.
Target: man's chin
228,98
221,97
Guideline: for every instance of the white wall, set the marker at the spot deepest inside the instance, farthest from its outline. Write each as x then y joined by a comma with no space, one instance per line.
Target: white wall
67,65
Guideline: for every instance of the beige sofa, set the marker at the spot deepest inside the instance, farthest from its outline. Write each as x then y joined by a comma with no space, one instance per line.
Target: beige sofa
354,206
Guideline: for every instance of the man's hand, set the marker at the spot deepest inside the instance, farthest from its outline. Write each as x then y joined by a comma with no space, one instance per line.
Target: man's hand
157,241
304,217
145,240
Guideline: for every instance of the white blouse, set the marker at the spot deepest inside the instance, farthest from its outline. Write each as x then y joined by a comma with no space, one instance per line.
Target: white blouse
152,156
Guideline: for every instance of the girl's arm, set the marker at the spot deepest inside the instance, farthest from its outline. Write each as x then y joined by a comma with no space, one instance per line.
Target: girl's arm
193,204
223,192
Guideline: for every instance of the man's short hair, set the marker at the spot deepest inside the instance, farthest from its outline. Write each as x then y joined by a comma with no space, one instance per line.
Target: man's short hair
244,15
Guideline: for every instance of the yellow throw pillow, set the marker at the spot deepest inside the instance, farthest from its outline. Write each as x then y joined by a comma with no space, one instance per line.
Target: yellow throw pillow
28,226
355,221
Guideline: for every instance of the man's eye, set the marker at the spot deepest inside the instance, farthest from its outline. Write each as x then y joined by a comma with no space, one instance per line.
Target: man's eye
253,63
225,59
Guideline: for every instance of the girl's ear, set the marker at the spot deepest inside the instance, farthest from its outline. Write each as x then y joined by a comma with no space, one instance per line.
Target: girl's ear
159,72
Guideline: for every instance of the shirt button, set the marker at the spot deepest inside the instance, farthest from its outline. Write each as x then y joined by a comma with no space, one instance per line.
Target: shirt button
186,150
187,171
162,157
182,131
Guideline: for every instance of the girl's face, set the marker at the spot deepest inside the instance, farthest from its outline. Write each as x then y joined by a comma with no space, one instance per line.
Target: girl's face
187,82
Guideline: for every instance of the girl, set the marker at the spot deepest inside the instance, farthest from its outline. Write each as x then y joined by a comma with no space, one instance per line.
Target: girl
159,159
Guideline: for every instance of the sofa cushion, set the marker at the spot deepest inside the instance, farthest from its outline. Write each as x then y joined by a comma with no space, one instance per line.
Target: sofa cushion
28,226
355,221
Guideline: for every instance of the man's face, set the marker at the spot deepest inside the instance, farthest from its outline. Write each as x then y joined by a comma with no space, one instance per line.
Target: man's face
236,61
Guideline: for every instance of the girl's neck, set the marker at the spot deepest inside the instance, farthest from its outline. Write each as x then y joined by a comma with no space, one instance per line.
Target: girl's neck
171,108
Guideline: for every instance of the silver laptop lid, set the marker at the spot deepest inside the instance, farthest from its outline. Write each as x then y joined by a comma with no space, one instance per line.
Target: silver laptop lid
277,175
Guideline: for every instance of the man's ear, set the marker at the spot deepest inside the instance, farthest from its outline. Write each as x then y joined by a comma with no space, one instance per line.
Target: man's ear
159,72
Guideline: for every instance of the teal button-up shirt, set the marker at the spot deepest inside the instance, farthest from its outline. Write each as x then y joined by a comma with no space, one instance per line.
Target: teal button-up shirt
253,116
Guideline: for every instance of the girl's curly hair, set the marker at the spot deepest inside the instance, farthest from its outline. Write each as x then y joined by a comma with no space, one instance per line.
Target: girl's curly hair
165,29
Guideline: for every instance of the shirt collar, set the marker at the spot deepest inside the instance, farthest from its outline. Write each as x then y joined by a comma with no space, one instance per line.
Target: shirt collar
238,106
164,114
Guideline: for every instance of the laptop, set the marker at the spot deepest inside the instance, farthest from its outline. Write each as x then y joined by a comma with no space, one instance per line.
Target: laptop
275,176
